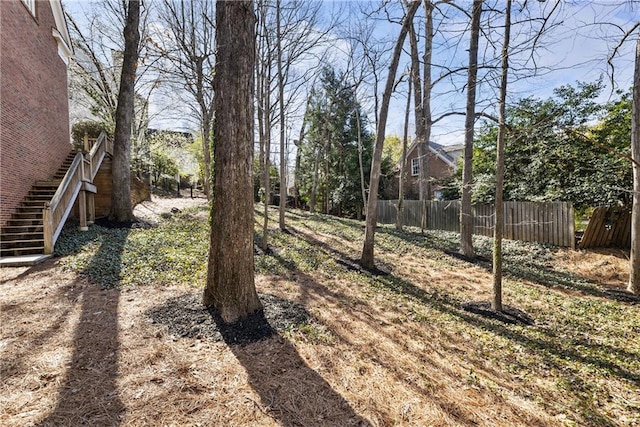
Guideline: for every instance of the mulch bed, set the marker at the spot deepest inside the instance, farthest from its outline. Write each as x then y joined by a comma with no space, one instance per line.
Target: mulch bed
186,317
507,315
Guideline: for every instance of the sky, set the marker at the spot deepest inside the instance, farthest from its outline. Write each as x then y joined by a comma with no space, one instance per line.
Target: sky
581,37
575,49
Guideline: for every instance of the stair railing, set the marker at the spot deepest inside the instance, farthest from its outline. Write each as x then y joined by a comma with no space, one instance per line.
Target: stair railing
81,172
100,149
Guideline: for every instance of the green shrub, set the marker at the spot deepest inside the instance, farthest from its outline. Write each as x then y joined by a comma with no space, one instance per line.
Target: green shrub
90,127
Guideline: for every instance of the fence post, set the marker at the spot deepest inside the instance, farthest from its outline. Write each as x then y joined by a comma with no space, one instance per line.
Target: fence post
572,231
47,229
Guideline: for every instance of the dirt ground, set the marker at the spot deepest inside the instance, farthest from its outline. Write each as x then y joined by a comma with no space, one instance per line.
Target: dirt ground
73,354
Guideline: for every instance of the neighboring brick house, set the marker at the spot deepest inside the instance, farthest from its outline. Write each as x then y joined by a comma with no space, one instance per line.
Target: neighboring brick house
442,164
34,111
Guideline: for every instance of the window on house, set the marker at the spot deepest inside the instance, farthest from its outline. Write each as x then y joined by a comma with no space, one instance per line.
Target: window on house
31,5
415,166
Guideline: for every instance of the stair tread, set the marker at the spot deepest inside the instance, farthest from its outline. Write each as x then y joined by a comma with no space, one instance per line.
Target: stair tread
28,248
25,227
9,236
21,241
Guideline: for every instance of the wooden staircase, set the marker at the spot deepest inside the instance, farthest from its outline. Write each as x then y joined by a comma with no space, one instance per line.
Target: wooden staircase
24,232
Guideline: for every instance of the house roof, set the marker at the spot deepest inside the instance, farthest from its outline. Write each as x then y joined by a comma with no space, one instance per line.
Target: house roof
447,153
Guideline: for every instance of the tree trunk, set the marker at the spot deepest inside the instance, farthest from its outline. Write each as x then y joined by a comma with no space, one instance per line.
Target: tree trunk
121,208
421,138
363,189
426,112
496,302
325,202
266,110
230,287
403,158
283,163
206,150
367,258
466,214
297,172
266,183
634,272
314,184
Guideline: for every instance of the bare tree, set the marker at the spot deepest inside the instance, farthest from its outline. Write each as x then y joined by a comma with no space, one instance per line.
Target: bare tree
95,72
367,258
634,262
403,158
230,287
189,60
466,214
287,35
422,106
365,57
283,163
264,71
496,303
121,208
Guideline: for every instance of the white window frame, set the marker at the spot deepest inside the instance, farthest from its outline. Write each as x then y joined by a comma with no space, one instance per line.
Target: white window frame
31,6
415,166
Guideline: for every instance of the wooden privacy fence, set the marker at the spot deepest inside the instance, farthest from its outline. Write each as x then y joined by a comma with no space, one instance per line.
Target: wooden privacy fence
544,222
608,226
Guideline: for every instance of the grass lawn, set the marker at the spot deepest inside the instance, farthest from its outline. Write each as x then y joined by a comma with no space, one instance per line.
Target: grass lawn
80,343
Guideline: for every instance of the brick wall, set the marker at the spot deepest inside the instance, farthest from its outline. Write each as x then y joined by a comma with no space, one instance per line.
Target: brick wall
34,110
437,169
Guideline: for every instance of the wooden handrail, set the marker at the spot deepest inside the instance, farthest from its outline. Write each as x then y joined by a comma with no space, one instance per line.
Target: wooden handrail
101,148
56,211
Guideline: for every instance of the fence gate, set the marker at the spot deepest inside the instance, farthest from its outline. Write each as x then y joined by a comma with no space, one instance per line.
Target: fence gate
608,226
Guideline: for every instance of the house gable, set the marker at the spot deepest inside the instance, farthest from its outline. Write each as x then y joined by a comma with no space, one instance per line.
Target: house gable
442,163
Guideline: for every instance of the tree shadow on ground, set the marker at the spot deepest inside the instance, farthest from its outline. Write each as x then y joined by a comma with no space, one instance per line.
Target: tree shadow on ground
550,346
544,341
537,269
19,361
290,391
89,392
358,311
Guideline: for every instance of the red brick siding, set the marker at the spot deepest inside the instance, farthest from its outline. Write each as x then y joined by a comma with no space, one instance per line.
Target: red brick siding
437,169
34,109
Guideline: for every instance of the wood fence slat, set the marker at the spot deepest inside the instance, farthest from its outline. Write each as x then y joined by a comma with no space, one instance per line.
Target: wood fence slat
562,217
545,222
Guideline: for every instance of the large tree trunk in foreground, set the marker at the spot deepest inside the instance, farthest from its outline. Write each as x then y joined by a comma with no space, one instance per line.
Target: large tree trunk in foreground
121,208
634,273
230,287
466,214
496,303
367,259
